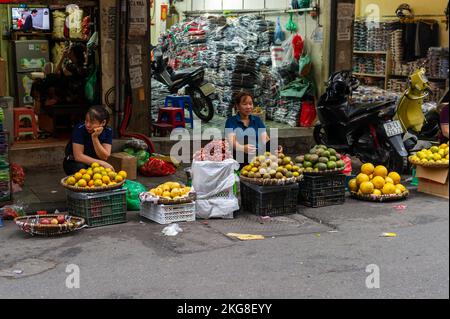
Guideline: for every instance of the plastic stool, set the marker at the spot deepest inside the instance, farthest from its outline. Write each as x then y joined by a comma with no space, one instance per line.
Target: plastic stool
23,129
181,101
161,129
173,116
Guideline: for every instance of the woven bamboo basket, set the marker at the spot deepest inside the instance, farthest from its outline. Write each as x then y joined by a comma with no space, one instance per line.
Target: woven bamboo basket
31,225
270,182
380,199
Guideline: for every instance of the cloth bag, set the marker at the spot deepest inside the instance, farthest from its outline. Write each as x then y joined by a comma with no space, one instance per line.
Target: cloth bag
210,179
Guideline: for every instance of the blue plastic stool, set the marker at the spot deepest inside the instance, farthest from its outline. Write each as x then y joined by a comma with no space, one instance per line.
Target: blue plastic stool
181,101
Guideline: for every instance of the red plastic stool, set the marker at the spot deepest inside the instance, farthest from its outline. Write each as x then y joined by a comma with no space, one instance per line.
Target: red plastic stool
24,123
162,129
173,116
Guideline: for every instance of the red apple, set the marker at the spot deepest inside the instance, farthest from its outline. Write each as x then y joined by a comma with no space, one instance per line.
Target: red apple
61,219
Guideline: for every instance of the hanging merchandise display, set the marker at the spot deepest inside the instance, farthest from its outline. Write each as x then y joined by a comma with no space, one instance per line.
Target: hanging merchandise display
74,21
279,34
59,20
291,25
297,45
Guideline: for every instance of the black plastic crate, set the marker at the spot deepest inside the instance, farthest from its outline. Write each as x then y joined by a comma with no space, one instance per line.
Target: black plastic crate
269,200
322,191
99,209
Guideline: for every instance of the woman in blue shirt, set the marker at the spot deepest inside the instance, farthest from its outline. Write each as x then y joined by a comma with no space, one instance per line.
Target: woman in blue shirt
246,133
91,142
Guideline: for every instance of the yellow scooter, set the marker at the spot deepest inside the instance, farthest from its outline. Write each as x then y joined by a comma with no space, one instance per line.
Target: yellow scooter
409,109
416,124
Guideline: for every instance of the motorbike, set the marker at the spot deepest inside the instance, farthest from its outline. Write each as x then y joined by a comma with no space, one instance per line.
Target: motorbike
366,131
418,124
191,80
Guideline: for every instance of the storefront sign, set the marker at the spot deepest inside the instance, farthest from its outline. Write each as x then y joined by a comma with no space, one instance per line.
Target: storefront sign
138,18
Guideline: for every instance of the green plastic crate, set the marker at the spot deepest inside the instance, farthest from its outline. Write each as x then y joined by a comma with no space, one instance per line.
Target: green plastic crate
99,209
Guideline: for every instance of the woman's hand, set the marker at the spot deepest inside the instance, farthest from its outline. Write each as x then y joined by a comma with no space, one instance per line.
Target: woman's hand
105,164
249,149
97,132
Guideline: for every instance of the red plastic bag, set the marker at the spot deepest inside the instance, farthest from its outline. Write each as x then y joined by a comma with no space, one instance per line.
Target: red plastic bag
308,114
298,45
348,165
156,168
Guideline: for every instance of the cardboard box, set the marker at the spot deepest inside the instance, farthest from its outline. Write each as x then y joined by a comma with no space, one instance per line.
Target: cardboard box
124,162
3,75
433,181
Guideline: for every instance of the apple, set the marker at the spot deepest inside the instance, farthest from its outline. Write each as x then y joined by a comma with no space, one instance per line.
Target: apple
45,221
54,221
61,219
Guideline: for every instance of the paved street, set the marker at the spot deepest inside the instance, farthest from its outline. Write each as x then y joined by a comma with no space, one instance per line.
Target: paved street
319,253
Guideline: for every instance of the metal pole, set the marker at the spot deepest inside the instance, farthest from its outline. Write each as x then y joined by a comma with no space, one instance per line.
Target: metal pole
117,96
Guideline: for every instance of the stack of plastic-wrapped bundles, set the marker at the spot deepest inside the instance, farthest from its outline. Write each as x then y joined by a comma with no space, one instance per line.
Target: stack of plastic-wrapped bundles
158,97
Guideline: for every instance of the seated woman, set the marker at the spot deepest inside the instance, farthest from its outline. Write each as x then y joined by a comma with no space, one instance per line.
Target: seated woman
91,142
246,132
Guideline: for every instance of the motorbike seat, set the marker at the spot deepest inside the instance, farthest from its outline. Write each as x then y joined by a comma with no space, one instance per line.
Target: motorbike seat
360,109
179,74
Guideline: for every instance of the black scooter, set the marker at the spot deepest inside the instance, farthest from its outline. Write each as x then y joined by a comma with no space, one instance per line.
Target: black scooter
365,131
191,79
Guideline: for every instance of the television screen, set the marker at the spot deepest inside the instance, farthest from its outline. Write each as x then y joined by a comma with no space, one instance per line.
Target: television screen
30,19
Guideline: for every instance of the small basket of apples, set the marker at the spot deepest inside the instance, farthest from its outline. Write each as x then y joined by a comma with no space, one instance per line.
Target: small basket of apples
49,225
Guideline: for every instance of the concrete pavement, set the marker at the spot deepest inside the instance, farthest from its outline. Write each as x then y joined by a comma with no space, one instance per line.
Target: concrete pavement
321,253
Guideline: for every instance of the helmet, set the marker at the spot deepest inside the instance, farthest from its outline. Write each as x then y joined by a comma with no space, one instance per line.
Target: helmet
404,11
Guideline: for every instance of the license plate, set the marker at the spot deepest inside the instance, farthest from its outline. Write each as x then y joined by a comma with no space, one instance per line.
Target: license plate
393,128
208,89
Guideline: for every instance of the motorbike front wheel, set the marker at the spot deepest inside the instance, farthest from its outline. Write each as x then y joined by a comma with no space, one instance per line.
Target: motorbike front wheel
397,163
202,105
319,135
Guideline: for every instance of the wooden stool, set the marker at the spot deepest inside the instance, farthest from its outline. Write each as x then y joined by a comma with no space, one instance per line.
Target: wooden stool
24,123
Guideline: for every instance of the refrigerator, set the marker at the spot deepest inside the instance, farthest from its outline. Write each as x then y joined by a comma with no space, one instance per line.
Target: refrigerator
31,56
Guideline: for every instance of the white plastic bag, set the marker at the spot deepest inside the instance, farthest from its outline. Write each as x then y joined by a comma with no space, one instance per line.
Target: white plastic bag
172,230
210,179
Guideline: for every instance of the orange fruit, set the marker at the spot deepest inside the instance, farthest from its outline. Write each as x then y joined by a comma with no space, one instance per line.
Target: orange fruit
91,183
87,177
118,178
367,188
377,192
106,179
378,182
123,174
82,183
367,169
395,177
71,181
83,171
401,187
94,165
98,183
78,176
389,189
97,176
112,175
389,180
361,178
97,170
353,185
380,171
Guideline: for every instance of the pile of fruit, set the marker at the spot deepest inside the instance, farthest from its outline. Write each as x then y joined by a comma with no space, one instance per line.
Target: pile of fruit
377,182
215,151
435,156
171,191
95,176
320,159
58,220
268,166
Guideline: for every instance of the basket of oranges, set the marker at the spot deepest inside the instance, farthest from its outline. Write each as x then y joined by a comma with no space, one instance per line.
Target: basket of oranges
94,179
170,193
435,157
377,184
